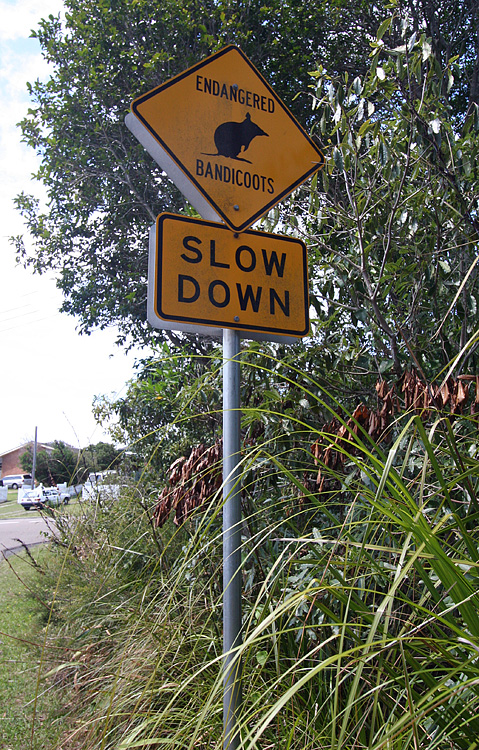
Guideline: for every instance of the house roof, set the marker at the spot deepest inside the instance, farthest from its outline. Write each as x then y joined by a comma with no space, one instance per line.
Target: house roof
40,446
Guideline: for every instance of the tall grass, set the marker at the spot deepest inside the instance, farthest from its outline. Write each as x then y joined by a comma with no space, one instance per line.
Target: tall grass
360,601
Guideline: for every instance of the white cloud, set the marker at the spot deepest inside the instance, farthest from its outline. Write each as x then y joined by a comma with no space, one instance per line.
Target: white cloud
19,18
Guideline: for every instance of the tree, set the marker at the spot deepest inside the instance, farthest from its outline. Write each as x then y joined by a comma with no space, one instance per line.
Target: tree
391,221
65,464
359,549
393,226
52,467
103,189
172,405
42,468
99,457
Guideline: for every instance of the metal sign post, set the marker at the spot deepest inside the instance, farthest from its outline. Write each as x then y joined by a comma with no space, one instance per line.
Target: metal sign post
234,150
231,538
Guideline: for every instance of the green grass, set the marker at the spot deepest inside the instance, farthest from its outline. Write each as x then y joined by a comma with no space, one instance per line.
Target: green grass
29,708
11,509
360,604
360,627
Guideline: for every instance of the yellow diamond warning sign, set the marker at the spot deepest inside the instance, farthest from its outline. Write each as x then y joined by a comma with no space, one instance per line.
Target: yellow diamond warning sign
204,274
223,126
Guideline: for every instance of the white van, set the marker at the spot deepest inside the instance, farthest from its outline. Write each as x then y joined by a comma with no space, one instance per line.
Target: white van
14,481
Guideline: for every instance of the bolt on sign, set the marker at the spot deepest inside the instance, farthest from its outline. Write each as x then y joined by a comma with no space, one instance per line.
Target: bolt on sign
203,274
222,126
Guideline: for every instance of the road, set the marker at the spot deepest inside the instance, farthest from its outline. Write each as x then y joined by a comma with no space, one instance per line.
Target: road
31,530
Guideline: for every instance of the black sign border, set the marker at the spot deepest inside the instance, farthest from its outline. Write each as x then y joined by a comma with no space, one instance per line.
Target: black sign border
198,66
162,218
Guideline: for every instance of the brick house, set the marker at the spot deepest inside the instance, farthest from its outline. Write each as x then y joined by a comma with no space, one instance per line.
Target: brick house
10,461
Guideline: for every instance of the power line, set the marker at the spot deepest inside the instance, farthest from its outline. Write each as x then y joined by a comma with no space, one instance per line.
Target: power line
16,317
22,325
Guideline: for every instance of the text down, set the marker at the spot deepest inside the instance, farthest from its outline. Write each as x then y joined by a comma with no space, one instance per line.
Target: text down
207,274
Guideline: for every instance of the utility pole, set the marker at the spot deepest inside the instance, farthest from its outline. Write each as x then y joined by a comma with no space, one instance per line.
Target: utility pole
34,466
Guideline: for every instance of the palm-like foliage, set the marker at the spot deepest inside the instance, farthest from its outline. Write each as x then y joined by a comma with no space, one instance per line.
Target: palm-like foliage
360,601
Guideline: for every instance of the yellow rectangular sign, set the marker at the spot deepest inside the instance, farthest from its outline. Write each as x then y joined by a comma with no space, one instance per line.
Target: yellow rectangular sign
207,275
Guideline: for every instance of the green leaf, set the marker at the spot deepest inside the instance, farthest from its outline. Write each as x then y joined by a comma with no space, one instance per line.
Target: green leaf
357,86
385,26
261,657
383,153
338,158
426,50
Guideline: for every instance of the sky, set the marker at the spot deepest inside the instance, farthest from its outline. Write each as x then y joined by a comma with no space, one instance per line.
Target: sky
49,374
